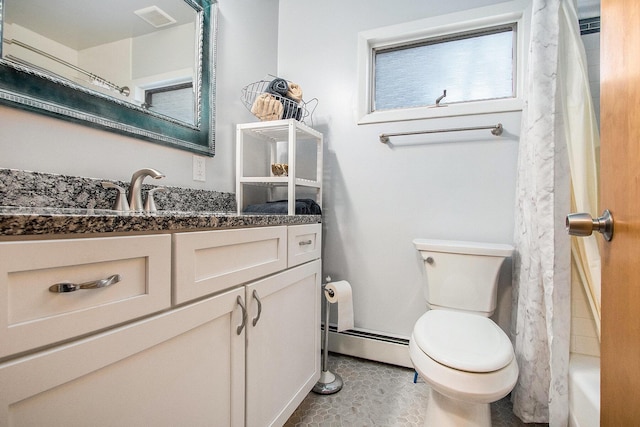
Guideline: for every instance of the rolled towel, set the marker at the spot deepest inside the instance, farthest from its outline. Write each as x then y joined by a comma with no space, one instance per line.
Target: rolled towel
267,107
291,109
294,92
278,87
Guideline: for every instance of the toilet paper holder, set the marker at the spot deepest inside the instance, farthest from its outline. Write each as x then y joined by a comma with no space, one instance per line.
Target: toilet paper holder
329,382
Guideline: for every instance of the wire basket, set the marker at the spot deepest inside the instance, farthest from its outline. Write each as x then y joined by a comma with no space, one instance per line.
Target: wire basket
266,104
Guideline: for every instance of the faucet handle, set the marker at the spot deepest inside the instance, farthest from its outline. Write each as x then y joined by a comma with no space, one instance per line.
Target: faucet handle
121,203
150,204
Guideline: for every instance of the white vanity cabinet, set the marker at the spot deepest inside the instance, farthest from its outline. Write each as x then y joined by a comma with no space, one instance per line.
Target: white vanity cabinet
213,328
181,367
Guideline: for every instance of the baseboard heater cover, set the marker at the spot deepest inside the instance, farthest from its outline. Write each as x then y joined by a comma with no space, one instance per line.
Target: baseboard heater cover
370,345
369,335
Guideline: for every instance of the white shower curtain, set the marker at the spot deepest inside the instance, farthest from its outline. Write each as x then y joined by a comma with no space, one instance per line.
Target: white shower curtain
583,139
542,289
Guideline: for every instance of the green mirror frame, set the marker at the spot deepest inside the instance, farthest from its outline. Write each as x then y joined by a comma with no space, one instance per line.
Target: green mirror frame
33,90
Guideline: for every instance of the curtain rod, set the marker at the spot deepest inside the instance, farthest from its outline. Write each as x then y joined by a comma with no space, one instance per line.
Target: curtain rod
495,130
95,79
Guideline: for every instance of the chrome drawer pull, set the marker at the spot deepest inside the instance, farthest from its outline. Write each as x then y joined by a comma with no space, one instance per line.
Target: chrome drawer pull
257,298
305,242
59,288
244,315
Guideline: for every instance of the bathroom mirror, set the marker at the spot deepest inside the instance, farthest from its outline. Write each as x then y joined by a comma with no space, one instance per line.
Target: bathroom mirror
143,68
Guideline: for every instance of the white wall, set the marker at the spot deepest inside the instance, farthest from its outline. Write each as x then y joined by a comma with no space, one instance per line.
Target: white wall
247,42
378,198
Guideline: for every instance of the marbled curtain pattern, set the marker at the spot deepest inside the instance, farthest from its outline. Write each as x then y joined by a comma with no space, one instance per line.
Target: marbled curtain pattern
542,263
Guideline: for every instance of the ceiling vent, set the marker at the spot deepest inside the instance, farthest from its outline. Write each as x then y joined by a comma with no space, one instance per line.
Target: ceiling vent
155,16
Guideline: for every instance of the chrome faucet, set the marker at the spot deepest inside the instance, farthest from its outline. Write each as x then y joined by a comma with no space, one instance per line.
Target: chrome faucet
135,187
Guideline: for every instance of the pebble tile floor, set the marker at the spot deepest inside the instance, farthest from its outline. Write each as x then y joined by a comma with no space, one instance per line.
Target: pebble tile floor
377,394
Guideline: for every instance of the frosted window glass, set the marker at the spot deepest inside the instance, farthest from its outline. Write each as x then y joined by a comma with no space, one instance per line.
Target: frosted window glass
474,68
176,103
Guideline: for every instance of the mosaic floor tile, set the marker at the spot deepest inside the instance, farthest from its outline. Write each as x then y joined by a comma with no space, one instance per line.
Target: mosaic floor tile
377,394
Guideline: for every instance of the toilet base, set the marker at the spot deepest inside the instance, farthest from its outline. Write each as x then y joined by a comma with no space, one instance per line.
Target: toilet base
443,411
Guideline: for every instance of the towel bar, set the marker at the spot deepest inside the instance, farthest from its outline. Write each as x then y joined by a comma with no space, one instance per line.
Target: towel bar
495,130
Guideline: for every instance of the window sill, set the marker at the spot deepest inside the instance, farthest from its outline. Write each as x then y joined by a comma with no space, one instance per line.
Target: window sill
433,112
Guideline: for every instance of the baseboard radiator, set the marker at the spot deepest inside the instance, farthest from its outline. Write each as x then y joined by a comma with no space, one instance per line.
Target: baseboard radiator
371,346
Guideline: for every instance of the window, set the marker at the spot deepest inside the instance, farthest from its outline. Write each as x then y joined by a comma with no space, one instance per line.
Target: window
175,101
470,67
476,55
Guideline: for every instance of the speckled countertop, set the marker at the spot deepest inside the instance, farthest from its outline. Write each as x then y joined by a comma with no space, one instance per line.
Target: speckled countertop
78,205
16,221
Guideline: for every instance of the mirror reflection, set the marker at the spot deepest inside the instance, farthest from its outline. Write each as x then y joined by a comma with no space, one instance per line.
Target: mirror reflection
142,52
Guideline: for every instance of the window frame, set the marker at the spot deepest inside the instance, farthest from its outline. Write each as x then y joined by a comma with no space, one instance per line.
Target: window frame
439,27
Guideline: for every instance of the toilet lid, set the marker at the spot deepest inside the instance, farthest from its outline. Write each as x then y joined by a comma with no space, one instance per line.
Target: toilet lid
463,341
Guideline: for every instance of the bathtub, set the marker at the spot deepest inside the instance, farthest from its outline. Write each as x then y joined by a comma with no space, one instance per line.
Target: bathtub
584,391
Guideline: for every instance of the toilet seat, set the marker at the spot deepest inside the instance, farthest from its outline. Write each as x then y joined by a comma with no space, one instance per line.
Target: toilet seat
475,387
463,341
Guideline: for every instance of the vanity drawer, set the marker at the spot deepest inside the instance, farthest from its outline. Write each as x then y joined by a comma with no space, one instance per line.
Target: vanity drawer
31,315
211,261
304,243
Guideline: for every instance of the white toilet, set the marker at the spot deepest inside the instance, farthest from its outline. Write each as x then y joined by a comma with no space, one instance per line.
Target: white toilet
462,354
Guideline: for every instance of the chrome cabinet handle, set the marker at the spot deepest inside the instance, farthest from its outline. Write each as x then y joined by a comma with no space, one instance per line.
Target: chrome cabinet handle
257,298
305,242
244,315
582,224
96,284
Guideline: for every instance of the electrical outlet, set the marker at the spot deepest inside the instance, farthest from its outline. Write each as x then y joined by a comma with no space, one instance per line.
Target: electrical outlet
199,173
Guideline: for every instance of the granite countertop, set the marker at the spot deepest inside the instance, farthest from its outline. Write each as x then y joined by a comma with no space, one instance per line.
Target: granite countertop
80,205
23,221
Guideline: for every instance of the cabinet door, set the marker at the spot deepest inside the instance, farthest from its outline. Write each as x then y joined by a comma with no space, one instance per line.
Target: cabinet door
183,367
283,347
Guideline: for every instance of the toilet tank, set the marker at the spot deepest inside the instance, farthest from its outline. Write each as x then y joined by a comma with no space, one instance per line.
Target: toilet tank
462,275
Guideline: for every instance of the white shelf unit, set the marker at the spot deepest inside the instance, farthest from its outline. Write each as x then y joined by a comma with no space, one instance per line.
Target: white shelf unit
293,133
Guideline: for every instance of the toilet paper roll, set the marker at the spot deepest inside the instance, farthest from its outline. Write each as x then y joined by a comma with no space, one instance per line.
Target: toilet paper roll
342,296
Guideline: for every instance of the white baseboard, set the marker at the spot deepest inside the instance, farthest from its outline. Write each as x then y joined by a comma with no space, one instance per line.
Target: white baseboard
371,349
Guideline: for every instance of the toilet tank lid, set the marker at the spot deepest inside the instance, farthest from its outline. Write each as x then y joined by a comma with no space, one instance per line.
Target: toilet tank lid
464,247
